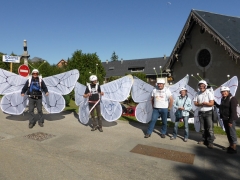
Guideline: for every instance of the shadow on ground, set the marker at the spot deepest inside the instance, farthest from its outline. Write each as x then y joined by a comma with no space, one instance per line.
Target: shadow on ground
216,164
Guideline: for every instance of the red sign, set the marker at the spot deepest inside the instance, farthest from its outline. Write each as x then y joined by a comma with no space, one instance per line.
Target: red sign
23,70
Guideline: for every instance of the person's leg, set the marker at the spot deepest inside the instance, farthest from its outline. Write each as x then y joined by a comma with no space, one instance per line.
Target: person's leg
31,106
94,122
99,117
186,131
175,129
152,123
233,138
209,128
40,113
164,113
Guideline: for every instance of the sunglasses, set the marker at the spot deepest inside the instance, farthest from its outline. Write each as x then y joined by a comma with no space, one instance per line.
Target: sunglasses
34,73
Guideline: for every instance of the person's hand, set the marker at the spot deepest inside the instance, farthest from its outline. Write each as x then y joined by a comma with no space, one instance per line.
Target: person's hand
47,94
230,124
181,108
102,93
22,94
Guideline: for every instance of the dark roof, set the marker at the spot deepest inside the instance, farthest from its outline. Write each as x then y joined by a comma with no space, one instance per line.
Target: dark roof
121,67
224,29
227,27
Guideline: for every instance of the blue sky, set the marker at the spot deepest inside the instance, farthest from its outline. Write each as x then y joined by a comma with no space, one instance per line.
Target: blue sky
134,29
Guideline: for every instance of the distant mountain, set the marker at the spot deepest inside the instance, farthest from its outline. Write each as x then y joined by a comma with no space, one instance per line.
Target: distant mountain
36,59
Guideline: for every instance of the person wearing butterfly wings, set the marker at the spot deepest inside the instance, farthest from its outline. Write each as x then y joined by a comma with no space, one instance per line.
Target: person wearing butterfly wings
34,87
228,113
182,103
204,100
162,102
92,92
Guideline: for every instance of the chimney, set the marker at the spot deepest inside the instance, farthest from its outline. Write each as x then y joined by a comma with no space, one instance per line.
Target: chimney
106,61
121,60
164,57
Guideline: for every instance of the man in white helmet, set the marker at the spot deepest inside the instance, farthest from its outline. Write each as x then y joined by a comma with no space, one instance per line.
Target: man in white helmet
34,87
93,92
228,113
162,102
204,100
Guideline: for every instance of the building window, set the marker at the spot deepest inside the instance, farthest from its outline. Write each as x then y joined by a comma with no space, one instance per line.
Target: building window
204,58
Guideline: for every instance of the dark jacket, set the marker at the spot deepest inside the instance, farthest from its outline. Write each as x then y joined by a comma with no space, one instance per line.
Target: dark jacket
228,108
26,87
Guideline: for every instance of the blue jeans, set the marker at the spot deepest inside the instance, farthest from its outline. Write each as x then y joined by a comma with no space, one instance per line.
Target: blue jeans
206,126
175,129
163,112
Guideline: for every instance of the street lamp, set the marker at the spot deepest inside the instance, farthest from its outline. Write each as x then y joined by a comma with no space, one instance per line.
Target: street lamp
25,54
96,69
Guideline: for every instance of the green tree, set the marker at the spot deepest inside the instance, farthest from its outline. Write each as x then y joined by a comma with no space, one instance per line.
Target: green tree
114,56
140,75
87,64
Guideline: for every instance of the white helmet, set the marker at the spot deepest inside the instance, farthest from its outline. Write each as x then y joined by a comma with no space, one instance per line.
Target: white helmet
224,88
182,89
35,71
93,78
160,81
202,82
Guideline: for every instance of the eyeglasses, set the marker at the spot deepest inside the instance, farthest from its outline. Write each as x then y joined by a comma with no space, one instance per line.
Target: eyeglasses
34,73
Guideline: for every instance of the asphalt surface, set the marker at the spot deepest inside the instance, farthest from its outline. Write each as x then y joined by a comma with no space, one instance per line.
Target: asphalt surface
75,152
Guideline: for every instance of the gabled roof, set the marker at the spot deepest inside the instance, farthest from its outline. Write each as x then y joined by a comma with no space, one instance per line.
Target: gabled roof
121,67
223,29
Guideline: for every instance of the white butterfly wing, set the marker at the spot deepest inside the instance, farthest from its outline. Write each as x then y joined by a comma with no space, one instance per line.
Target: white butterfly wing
110,110
141,91
117,90
84,111
54,102
13,103
176,87
62,83
10,82
143,112
231,83
79,92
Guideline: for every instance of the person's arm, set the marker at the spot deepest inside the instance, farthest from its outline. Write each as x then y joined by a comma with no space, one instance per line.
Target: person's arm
99,91
233,110
25,88
208,104
188,104
44,88
87,93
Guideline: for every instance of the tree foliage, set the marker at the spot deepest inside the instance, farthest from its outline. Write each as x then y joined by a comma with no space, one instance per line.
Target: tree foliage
114,57
87,64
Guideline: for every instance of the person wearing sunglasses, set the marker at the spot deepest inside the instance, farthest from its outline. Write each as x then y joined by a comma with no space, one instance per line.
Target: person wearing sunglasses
34,87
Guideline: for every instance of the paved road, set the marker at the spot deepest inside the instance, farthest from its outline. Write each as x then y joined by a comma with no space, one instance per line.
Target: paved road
77,153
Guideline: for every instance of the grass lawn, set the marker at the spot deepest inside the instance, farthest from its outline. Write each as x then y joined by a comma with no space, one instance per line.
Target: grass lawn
217,129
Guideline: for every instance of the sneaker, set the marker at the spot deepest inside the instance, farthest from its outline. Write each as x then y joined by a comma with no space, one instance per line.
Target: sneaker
147,135
30,126
231,151
40,124
162,135
100,129
94,128
172,138
185,139
210,146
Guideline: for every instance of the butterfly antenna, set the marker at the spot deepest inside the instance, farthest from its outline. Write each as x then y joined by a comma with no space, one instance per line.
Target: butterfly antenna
194,77
31,66
199,76
155,71
160,70
228,76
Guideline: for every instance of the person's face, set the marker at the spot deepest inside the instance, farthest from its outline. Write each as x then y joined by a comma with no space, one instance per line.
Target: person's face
94,82
202,87
183,92
34,74
225,93
160,85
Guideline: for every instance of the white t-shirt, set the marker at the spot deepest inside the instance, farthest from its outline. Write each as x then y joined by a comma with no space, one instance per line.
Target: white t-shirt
205,96
161,97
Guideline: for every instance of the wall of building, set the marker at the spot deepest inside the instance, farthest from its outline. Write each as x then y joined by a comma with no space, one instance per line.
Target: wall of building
220,66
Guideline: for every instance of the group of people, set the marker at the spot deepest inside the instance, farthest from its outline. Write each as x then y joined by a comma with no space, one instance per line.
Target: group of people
162,102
